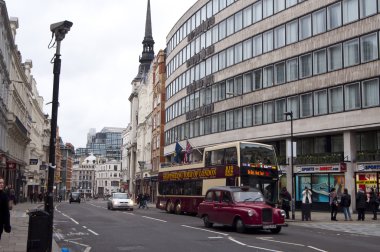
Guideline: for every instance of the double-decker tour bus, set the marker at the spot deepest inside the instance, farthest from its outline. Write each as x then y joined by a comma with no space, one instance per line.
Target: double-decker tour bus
182,187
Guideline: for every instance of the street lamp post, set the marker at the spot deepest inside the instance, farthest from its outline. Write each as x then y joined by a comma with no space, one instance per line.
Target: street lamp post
292,161
59,30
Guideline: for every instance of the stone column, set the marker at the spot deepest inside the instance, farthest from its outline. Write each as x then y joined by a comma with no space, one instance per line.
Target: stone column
349,142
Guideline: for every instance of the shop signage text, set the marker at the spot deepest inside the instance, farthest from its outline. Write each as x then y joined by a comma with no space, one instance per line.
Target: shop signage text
370,167
311,169
203,173
202,111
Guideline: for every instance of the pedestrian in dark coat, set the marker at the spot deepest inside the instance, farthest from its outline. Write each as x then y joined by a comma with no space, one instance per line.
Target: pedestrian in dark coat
333,204
4,210
361,203
373,203
286,199
345,203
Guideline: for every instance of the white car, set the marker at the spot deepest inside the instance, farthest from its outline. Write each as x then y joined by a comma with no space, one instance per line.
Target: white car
120,201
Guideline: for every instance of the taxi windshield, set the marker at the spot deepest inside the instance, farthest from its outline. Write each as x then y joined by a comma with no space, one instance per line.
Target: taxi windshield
248,196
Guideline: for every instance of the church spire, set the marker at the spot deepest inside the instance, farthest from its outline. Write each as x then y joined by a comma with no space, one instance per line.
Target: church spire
148,43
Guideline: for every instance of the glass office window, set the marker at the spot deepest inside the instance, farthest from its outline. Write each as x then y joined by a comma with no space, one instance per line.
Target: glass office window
230,56
370,93
279,73
293,105
207,125
352,96
257,114
319,64
280,110
222,122
369,47
292,32
222,4
247,116
208,95
238,21
230,120
247,16
202,69
257,45
247,82
351,53
238,53
230,88
267,76
306,105
238,118
215,6
334,16
292,69
267,8
230,25
247,49
238,85
336,99
305,66
319,21
201,127
209,9
279,37
350,11
257,79
279,5
305,27
215,34
268,41
208,66
268,112
215,63
229,2
290,3
222,29
208,38
222,90
320,102
367,8
214,94
214,123
222,60
257,12
334,56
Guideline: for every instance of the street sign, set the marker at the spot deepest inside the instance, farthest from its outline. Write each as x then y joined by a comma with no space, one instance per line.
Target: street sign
33,161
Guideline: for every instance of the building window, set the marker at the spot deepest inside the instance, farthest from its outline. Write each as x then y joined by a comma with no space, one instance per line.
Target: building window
207,125
335,99
369,48
351,52
230,120
279,5
352,96
293,105
257,12
247,16
238,53
292,32
290,3
257,79
230,25
222,4
215,34
230,56
222,29
370,93
279,73
319,59
230,88
247,83
238,21
334,57
238,120
350,11
215,63
257,45
268,112
257,114
267,8
306,105
215,6
367,8
238,86
222,91
280,110
334,16
247,116
319,21
222,122
247,49
268,41
305,27
214,123
292,69
267,76
305,66
279,37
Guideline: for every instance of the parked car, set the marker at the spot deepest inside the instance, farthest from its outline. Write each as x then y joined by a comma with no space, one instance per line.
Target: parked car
74,197
120,201
240,207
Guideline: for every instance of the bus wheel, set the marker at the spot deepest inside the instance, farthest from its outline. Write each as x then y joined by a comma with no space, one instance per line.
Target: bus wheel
239,225
178,209
169,207
206,221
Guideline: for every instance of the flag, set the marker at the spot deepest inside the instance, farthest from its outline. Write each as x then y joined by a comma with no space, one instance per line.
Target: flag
177,154
188,151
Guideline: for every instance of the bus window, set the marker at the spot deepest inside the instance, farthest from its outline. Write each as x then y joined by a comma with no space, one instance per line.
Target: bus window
231,156
217,157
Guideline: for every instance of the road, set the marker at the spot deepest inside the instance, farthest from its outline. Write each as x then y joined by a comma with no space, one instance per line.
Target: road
91,227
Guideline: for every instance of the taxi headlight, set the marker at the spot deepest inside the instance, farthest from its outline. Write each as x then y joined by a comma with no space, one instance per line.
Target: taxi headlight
282,213
251,213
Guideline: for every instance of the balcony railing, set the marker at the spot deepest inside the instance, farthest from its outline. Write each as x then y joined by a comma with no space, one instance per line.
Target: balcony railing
368,156
320,158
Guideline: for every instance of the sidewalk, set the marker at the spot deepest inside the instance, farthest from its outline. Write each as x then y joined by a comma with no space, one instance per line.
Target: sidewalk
16,241
325,216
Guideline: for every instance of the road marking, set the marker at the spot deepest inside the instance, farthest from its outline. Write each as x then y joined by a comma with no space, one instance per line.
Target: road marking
92,231
84,226
270,239
216,237
204,230
243,244
70,218
153,218
316,249
88,248
129,213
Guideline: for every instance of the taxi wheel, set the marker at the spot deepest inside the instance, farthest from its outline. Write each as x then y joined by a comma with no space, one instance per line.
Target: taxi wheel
276,230
239,225
207,222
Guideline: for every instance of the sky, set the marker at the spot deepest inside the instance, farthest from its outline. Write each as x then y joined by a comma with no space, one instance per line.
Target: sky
100,55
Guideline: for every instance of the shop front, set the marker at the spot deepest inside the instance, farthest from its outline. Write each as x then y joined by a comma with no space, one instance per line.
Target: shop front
367,177
320,179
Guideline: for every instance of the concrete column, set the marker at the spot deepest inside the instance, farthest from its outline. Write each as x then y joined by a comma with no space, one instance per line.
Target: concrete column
288,167
349,142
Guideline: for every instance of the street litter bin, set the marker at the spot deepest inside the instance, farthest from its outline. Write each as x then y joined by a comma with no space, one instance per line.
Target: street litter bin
38,233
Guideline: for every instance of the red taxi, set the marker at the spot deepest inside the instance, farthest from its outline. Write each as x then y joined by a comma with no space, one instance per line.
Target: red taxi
241,208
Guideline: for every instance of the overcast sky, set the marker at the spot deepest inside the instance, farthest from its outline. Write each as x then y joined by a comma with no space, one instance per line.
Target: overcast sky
100,55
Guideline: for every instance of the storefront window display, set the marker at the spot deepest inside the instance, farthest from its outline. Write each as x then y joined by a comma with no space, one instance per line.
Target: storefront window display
366,181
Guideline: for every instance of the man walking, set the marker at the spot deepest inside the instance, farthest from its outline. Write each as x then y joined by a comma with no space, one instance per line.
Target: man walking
333,204
361,201
345,202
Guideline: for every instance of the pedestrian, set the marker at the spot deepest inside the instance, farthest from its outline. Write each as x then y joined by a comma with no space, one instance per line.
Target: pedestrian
373,203
145,200
361,201
4,210
285,202
345,203
140,200
306,204
31,197
333,200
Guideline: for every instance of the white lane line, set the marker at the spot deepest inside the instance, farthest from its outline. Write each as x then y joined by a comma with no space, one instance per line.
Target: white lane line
204,230
316,249
80,244
92,231
147,217
70,218
87,249
84,226
129,213
240,243
243,244
289,243
216,237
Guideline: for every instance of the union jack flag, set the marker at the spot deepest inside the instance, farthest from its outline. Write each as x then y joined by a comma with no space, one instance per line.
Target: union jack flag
188,151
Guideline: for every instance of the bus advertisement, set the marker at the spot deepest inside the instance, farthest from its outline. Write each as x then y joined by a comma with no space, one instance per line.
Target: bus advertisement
182,187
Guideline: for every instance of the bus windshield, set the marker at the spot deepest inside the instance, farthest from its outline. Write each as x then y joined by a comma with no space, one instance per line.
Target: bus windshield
257,154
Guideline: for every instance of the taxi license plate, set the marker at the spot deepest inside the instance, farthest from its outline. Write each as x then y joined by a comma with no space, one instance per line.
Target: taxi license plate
269,226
